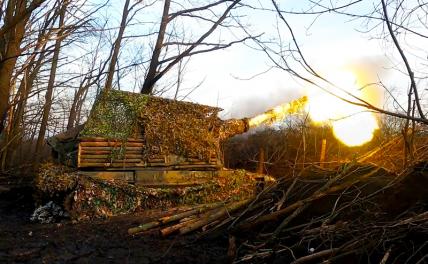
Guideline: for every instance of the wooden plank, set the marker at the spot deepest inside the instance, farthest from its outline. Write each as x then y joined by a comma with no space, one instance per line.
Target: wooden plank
111,144
108,153
106,164
110,148
102,139
110,175
79,151
207,166
84,160
182,164
126,156
156,160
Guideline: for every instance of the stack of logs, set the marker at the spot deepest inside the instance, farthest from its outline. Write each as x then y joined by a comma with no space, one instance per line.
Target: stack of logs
198,217
102,152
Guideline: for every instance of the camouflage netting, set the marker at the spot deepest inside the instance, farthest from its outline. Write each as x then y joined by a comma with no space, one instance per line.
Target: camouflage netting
180,128
53,179
115,115
93,198
167,126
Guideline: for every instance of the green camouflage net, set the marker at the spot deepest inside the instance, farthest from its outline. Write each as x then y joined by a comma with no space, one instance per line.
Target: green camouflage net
55,178
89,198
95,198
180,128
115,115
167,126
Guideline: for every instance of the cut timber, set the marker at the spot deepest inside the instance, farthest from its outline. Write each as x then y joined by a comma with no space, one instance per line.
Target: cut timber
182,164
111,144
101,139
107,164
143,227
207,166
126,156
156,161
198,210
128,149
219,214
110,175
174,218
172,229
86,159
107,153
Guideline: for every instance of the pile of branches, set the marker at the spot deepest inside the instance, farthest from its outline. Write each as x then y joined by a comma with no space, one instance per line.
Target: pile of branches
357,213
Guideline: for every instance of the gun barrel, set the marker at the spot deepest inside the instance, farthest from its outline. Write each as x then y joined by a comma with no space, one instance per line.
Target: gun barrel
278,113
232,127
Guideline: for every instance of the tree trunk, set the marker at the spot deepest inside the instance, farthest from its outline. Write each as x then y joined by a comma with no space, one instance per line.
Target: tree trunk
150,80
116,46
51,82
77,104
10,43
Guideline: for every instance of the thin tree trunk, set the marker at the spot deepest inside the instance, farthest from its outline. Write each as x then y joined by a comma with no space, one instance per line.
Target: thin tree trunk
51,82
72,117
154,63
116,46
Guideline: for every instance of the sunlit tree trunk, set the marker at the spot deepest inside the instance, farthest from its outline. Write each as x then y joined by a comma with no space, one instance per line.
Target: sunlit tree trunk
116,46
151,77
51,82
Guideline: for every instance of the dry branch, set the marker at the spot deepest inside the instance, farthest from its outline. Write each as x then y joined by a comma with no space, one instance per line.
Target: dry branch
322,192
228,209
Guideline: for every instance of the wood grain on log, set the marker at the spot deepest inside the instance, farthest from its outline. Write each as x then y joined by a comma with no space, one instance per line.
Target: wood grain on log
102,139
111,156
111,144
128,149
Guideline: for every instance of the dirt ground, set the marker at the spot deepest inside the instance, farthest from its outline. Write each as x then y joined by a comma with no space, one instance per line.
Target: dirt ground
102,241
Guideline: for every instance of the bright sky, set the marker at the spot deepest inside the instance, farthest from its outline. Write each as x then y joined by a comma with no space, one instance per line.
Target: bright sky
331,44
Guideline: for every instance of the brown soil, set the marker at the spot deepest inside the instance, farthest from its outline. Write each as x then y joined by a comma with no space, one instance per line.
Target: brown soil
101,241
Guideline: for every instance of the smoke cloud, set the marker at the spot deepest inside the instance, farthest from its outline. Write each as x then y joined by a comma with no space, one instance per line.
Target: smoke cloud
252,105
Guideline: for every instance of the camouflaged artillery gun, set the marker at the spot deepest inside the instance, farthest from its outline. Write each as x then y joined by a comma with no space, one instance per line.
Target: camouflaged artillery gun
148,141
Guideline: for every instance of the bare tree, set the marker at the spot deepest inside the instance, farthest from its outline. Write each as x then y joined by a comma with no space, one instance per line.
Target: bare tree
397,21
291,58
159,67
15,17
48,96
116,46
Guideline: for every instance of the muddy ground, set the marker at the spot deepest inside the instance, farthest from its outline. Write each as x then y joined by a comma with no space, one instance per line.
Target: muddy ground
101,241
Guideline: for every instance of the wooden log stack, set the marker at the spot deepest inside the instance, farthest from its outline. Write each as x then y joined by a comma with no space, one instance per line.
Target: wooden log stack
97,152
103,152
198,217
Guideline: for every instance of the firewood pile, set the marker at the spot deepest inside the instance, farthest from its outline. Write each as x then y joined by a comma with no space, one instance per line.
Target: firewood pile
356,213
